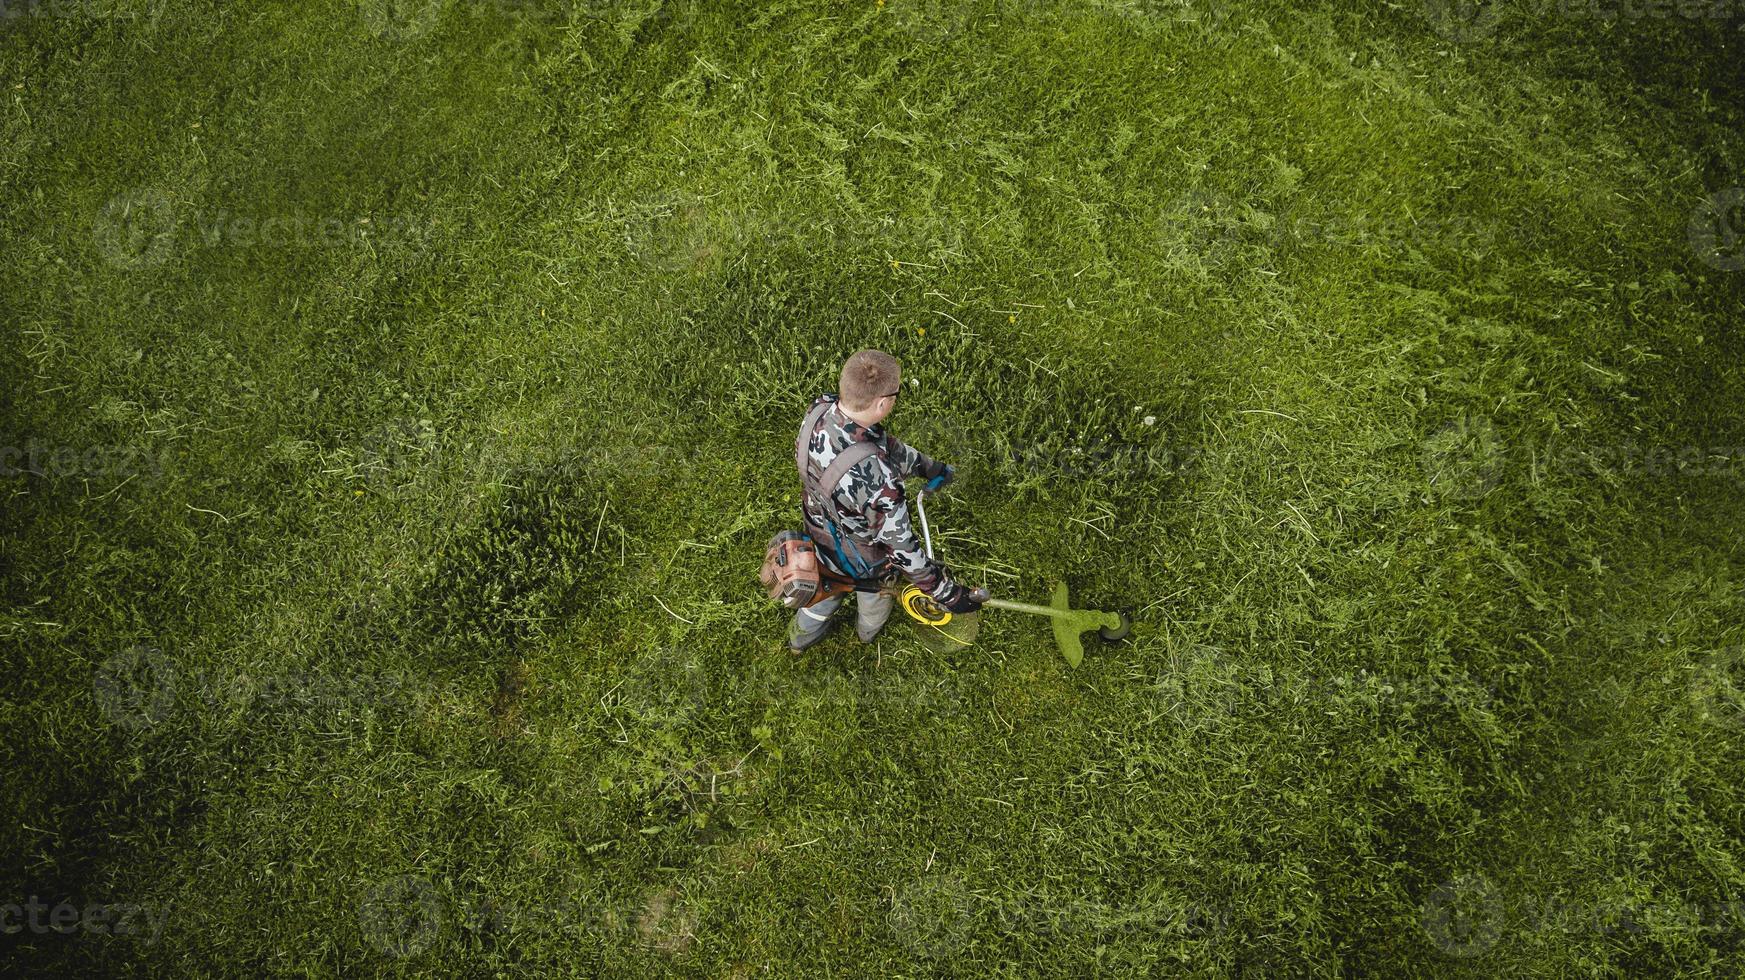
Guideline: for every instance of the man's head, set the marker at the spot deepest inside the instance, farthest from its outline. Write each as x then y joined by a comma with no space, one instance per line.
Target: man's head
870,382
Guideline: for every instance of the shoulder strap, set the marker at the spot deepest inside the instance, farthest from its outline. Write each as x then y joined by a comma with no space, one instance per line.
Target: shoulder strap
806,429
838,469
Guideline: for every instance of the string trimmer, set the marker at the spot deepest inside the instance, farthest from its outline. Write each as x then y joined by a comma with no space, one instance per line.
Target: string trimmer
1113,627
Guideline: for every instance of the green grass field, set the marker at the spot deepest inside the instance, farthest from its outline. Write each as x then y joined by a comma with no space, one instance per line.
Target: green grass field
397,397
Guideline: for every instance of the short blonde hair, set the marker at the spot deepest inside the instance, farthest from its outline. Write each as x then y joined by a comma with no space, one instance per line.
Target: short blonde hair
866,377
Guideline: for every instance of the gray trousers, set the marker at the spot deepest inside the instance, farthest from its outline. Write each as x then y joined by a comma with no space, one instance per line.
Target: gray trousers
871,611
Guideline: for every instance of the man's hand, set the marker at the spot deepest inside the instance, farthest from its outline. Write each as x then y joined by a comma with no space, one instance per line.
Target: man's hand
957,599
939,479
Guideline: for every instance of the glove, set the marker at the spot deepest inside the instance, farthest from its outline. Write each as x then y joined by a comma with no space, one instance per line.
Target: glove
938,479
955,598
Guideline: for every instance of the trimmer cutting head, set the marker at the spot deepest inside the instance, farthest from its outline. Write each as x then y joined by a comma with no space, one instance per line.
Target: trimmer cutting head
1070,624
944,631
941,630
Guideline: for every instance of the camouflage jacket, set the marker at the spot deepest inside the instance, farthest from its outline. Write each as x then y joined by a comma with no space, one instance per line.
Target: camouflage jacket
876,534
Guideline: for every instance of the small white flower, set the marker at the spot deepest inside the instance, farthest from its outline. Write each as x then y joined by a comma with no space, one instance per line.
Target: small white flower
1150,420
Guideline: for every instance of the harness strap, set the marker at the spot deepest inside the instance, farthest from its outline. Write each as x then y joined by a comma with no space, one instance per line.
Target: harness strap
838,469
826,483
801,457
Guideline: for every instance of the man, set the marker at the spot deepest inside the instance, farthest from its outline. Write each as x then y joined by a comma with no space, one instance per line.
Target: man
860,523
